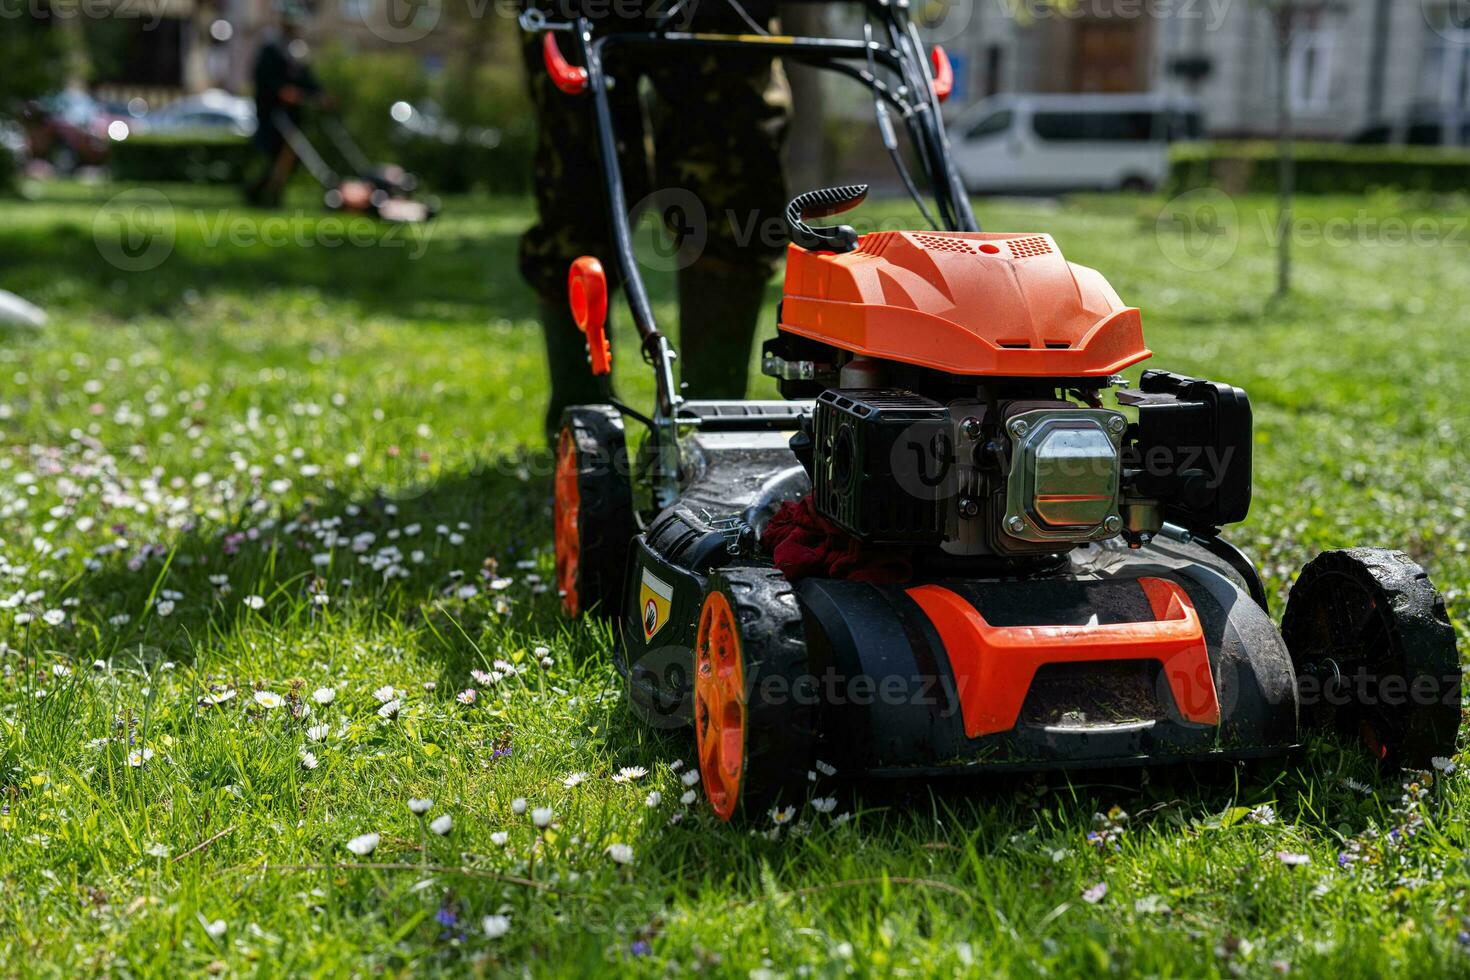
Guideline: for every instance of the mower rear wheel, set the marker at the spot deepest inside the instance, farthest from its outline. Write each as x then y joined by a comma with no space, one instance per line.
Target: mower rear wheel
755,699
593,511
1368,631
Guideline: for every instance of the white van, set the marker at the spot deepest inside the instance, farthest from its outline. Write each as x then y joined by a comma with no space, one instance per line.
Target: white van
1053,143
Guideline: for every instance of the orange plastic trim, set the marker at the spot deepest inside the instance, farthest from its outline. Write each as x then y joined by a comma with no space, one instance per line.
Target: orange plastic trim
587,293
970,303
943,72
994,666
719,704
570,78
568,535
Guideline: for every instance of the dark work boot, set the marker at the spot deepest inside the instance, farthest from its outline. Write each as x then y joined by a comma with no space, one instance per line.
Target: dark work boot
718,314
572,380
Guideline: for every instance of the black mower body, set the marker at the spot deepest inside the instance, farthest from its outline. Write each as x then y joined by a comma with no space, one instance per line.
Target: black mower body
887,688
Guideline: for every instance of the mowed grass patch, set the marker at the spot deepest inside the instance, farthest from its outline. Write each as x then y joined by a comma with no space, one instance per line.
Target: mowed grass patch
265,470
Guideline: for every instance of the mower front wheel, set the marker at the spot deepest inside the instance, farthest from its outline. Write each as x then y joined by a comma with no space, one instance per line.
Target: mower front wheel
755,698
1375,655
593,511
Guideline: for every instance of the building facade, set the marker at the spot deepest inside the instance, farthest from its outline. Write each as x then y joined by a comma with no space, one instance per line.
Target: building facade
1353,63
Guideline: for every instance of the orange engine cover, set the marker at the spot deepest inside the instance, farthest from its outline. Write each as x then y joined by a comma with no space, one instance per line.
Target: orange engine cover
964,303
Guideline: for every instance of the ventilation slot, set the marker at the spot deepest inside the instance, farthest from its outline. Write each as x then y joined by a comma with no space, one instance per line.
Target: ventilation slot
941,243
1028,248
876,243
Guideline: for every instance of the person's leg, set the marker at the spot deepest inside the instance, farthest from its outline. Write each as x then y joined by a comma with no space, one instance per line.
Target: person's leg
280,172
720,123
571,219
719,314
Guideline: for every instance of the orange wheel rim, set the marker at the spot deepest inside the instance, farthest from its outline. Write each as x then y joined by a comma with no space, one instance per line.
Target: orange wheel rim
568,536
719,705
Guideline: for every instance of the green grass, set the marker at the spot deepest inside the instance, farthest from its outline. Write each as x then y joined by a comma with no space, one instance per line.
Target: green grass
237,422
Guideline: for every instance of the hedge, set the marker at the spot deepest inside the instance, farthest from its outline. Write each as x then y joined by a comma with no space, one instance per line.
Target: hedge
197,159
1322,168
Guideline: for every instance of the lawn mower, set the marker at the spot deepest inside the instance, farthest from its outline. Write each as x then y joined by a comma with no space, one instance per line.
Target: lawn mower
961,541
384,192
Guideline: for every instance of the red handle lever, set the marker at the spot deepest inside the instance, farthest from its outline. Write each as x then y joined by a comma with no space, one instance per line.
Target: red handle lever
587,293
943,72
566,76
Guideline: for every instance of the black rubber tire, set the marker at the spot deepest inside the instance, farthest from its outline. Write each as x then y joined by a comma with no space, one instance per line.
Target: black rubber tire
606,525
780,689
1373,618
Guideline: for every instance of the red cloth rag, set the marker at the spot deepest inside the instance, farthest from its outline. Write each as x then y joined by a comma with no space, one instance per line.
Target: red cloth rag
803,543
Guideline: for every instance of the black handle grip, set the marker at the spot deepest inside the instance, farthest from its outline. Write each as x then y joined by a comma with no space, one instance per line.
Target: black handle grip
824,203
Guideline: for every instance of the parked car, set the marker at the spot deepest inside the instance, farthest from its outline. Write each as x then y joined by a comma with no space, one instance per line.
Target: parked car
210,113
72,129
1424,126
1054,143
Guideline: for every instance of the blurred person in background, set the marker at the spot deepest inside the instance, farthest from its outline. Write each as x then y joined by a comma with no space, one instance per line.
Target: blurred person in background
284,83
715,128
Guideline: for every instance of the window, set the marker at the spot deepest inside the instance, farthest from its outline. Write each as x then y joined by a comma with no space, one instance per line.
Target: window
1096,127
1309,69
991,125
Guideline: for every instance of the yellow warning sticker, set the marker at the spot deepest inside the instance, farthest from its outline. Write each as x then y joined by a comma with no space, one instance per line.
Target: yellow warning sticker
655,598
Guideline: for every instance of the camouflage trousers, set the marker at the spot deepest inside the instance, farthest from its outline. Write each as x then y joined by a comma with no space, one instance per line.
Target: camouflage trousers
700,136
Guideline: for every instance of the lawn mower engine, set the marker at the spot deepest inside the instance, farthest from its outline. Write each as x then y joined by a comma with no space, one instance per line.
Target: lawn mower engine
965,543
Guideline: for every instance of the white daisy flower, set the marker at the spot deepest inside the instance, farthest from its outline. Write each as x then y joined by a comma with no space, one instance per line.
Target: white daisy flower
825,769
824,804
60,670
391,709
499,838
218,697
689,797
690,778
518,805
385,693
495,926
364,845
541,816
165,608
308,760
574,779
1292,860
467,696
621,853
780,816
138,757
1439,762
319,733
418,807
442,825
269,699
215,929
324,695
53,617
254,602
653,799
629,773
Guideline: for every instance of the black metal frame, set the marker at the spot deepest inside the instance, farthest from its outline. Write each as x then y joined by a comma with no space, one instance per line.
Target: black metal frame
911,92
